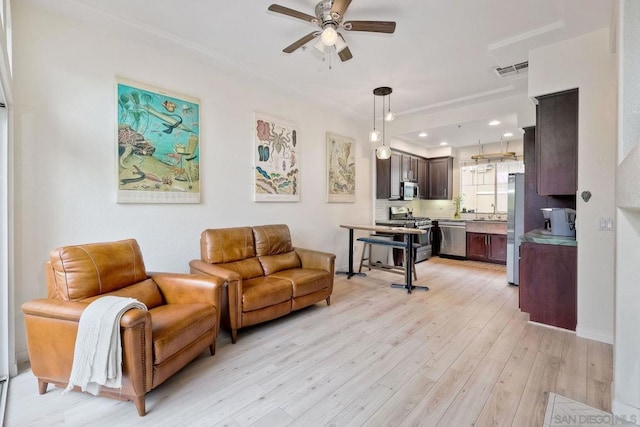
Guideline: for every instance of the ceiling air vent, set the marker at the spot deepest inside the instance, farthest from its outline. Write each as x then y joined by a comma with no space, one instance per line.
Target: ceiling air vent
513,71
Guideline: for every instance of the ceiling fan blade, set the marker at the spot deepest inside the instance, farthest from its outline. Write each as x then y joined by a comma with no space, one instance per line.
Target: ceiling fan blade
371,26
301,42
345,54
339,7
294,13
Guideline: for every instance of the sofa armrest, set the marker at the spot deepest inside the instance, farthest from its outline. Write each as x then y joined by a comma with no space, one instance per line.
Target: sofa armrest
51,359
55,309
188,288
316,259
231,295
200,267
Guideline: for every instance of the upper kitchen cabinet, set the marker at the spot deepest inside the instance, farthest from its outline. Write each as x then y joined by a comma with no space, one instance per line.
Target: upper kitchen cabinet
440,180
388,174
557,143
409,167
423,178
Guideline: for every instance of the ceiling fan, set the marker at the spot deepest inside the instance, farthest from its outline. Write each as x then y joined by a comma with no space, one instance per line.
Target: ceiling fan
329,16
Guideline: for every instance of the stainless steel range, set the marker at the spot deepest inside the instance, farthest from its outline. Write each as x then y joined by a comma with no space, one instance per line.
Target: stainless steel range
401,216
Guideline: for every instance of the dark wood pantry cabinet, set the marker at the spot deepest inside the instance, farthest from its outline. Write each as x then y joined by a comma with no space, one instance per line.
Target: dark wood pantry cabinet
557,143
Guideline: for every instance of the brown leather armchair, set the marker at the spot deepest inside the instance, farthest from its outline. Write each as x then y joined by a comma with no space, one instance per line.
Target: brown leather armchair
182,320
267,277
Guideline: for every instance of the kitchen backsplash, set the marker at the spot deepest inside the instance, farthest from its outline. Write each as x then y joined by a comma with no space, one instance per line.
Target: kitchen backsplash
433,209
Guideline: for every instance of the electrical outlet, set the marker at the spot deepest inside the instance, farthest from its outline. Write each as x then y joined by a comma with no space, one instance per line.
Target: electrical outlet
609,224
602,224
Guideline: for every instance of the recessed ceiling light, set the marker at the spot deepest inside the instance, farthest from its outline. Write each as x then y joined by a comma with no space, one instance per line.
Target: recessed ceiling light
494,123
507,135
443,143
423,135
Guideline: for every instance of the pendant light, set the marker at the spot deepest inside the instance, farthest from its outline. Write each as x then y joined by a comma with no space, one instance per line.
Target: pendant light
383,151
374,135
390,115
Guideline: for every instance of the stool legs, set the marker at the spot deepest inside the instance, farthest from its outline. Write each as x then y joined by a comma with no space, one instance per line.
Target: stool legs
363,259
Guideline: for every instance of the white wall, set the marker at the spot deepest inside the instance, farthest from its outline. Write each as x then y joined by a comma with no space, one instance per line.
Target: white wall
626,389
65,152
587,63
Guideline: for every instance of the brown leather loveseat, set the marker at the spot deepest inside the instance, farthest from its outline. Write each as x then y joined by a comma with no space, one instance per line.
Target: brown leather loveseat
182,320
267,277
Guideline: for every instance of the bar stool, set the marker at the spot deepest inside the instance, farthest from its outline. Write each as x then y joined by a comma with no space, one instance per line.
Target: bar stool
368,242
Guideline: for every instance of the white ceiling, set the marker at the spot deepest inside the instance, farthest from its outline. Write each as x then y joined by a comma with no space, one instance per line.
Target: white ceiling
441,56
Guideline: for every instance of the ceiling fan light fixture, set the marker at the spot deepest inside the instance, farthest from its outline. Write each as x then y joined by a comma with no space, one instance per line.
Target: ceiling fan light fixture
329,35
340,44
319,45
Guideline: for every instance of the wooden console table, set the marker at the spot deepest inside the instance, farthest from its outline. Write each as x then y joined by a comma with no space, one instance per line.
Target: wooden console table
408,238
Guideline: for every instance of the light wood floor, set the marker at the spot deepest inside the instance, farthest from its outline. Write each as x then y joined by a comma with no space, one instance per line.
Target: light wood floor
459,354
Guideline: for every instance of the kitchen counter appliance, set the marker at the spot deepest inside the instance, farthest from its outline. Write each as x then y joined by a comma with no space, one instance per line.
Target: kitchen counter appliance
453,239
401,216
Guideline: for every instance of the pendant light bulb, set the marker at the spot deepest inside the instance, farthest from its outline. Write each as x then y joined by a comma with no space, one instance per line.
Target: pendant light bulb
374,136
389,116
383,152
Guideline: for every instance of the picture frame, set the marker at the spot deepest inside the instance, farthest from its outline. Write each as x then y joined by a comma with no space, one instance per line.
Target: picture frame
157,144
341,169
276,169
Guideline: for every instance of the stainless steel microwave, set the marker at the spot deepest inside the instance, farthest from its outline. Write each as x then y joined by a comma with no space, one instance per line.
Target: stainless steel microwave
408,190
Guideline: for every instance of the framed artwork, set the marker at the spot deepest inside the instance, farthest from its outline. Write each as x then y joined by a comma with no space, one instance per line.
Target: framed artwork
158,135
341,169
276,170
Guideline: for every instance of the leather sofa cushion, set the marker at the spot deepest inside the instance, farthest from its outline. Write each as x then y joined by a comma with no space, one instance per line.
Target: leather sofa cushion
87,270
263,292
175,326
224,245
283,261
272,239
146,292
305,281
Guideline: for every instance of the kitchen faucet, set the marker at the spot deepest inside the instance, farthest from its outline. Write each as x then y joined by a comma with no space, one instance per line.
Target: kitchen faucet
494,211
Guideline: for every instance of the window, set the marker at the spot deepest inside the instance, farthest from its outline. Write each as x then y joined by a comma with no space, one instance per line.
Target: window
484,186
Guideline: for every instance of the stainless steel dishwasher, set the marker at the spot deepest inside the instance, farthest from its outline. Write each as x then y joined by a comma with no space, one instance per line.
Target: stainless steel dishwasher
453,239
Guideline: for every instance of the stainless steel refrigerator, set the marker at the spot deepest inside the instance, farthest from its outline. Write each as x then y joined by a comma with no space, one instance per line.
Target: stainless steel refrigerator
515,224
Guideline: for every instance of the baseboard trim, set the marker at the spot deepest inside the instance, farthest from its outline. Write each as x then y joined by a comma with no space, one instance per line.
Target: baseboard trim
595,336
22,357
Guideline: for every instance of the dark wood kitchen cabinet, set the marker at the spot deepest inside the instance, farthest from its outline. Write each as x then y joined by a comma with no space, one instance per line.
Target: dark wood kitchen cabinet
533,202
557,143
423,178
440,178
548,284
409,167
388,177
487,247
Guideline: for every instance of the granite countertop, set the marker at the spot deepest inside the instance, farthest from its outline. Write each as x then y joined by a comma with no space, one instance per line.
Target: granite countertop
546,238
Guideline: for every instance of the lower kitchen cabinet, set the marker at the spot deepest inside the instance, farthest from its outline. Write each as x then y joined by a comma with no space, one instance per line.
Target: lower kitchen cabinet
487,247
548,284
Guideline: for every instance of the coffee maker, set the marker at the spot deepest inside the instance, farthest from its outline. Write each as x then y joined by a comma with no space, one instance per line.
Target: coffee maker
561,221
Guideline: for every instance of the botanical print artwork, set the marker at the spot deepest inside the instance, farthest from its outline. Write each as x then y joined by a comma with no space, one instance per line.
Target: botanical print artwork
341,169
276,170
158,145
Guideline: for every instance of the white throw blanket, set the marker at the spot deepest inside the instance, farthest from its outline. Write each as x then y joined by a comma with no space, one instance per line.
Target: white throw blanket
97,358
